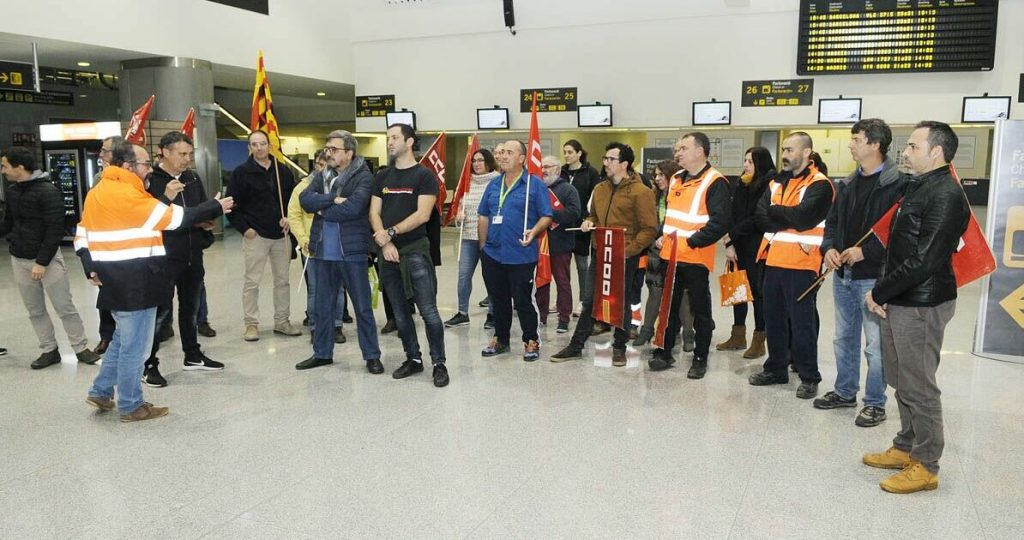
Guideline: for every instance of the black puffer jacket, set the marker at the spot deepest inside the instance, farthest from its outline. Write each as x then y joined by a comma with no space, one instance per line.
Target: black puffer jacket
925,233
34,218
584,180
842,228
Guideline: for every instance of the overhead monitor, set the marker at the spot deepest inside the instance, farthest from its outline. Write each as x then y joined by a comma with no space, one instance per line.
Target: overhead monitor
712,113
402,117
985,109
839,111
594,115
494,118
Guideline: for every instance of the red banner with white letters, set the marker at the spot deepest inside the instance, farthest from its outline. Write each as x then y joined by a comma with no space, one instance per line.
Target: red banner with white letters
609,267
666,294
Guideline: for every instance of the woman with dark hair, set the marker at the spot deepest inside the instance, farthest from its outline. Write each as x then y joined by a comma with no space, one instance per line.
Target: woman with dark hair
655,277
819,163
582,176
484,171
741,245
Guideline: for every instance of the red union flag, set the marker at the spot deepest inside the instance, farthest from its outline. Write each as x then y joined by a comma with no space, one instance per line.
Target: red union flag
188,127
534,153
556,206
610,276
136,133
543,277
666,295
433,160
973,258
464,181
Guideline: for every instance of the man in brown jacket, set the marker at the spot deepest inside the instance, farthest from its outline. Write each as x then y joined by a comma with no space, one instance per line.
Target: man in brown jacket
625,202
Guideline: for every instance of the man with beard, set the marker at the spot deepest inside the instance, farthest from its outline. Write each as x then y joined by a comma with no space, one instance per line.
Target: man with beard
403,199
561,244
792,213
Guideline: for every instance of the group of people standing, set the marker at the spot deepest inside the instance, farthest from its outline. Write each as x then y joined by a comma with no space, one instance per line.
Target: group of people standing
141,237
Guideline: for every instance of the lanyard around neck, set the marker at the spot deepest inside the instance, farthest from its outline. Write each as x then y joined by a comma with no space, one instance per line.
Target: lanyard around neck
503,192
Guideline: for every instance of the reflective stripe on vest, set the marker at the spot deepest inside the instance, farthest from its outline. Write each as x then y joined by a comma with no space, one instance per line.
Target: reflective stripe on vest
686,212
784,249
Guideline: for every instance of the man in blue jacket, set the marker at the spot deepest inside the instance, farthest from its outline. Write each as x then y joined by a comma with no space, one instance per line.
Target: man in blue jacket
339,240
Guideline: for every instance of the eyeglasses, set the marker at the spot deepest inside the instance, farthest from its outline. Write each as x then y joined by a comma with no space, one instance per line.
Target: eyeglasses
610,158
479,160
104,150
333,149
259,144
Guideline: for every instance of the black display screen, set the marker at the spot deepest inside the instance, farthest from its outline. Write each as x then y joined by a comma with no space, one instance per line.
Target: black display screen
891,36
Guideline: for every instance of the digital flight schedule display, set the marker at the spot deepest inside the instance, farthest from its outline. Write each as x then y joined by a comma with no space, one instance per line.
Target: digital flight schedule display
893,36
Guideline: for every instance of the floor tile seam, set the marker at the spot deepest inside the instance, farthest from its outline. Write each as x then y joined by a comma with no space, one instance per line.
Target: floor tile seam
970,491
238,516
757,455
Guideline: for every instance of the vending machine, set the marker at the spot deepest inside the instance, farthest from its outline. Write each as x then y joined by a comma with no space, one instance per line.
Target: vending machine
71,156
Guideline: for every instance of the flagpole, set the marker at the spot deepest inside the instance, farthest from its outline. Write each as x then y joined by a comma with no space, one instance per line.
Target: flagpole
526,208
828,271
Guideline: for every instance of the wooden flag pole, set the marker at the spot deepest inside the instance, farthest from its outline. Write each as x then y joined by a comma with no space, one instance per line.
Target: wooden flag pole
825,274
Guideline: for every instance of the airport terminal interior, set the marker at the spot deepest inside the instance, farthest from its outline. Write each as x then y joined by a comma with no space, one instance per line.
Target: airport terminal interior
508,449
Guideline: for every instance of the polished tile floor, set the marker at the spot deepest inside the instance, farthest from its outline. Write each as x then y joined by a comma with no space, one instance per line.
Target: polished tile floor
509,449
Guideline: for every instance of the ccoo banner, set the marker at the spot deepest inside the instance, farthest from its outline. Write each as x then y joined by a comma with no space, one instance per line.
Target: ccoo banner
610,279
1001,316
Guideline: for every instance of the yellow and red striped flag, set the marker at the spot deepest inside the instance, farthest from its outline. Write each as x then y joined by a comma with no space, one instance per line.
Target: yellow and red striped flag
262,114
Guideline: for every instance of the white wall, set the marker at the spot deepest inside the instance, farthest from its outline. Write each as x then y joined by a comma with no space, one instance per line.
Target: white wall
292,36
650,58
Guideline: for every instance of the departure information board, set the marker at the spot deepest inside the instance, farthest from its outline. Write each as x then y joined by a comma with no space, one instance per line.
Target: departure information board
886,36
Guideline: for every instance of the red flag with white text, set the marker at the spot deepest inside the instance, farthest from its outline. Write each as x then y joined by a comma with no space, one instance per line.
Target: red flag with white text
433,160
465,179
188,127
610,276
666,296
136,133
973,258
534,155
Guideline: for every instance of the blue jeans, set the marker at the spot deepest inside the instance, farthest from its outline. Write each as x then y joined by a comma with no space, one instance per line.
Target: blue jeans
122,364
339,307
332,279
424,285
851,317
469,257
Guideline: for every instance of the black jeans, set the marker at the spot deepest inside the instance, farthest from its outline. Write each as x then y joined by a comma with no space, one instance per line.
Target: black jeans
791,326
508,283
693,279
424,289
188,281
746,259
585,326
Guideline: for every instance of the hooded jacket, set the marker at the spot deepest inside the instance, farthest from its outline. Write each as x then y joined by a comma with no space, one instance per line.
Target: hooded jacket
840,228
352,217
584,179
120,239
34,220
629,205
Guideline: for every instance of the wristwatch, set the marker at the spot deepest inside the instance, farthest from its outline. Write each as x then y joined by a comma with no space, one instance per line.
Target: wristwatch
392,232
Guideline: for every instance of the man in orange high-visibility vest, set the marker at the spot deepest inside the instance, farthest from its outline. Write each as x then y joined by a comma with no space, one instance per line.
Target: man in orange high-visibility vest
698,210
792,213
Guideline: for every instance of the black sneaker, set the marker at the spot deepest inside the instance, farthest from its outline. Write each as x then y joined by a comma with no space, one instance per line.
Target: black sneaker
204,329
200,362
374,366
440,375
305,321
807,390
459,319
485,302
832,400
698,368
661,360
489,323
339,336
389,327
409,367
151,377
765,378
870,416
46,359
563,327
570,352
3,351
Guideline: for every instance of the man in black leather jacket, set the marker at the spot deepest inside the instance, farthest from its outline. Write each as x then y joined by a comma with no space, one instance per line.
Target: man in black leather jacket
916,298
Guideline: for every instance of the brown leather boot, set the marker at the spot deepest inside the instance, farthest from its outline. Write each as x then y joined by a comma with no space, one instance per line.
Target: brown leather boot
756,349
737,341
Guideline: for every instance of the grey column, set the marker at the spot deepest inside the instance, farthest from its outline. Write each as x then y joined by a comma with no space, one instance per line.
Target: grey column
178,83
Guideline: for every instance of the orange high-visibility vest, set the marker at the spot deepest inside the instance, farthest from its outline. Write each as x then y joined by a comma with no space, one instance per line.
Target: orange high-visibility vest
786,248
686,212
